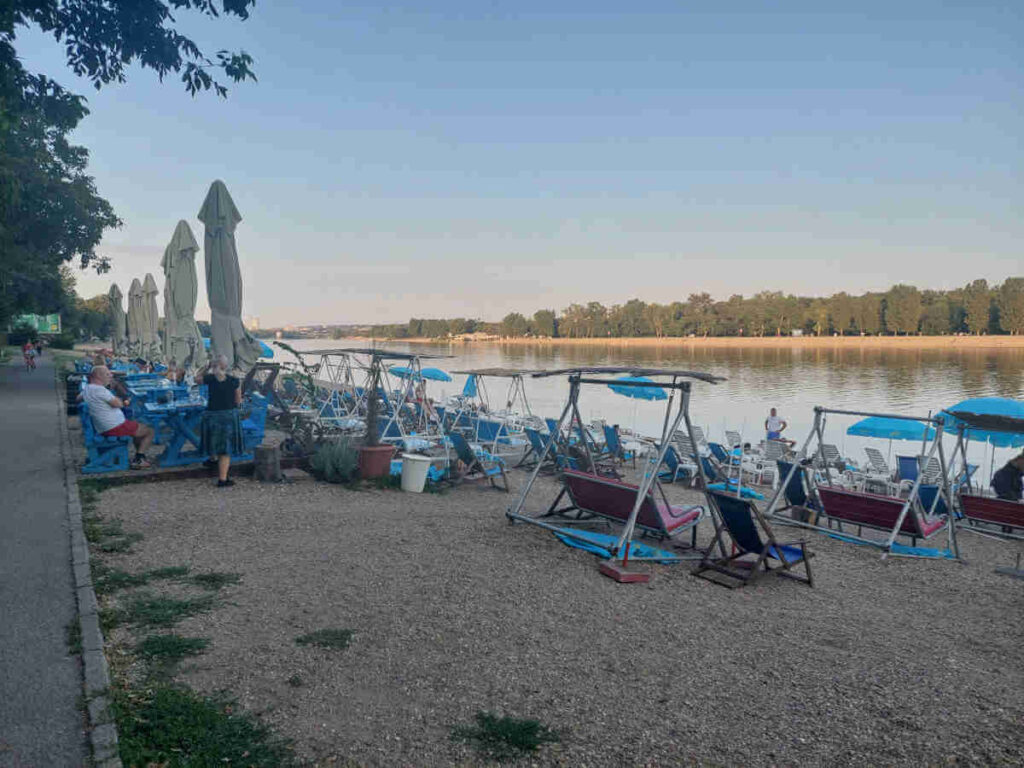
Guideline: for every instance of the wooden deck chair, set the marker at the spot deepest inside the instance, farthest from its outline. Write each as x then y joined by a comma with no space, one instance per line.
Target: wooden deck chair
537,445
610,499
613,446
753,554
801,495
1007,515
477,467
675,466
870,510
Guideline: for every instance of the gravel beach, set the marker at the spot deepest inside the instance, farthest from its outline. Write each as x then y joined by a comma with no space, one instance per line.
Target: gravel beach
454,611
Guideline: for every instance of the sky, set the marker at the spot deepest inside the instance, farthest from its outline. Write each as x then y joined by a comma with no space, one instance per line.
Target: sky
465,158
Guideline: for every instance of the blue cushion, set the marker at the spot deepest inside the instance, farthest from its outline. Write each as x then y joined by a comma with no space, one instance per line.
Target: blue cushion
789,553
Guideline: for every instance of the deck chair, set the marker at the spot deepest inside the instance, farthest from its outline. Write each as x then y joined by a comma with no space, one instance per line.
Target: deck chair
733,439
613,446
870,510
479,467
1008,515
592,495
745,524
801,495
537,445
675,466
876,462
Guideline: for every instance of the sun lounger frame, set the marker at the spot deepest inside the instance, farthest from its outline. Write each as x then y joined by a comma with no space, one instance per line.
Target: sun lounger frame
911,505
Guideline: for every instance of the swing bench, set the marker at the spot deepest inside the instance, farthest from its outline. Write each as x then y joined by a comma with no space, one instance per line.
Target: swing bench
1001,512
870,510
612,500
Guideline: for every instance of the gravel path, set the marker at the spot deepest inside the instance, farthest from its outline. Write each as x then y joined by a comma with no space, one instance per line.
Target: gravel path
903,662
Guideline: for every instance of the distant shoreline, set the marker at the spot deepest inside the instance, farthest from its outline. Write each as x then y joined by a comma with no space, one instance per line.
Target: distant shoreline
754,342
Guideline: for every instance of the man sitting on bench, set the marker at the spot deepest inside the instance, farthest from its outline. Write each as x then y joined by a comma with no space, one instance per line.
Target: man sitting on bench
107,418
1007,482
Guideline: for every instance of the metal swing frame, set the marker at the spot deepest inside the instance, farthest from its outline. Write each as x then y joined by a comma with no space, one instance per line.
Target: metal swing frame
937,449
516,393
680,386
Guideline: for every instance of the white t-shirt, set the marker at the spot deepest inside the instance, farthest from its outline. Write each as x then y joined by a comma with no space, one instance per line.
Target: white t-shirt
774,423
104,416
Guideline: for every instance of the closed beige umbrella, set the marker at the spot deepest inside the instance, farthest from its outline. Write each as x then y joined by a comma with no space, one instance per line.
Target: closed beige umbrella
136,318
181,289
153,350
118,327
224,280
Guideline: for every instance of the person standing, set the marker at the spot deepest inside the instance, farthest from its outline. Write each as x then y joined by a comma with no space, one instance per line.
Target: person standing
1008,482
222,429
29,353
39,347
774,426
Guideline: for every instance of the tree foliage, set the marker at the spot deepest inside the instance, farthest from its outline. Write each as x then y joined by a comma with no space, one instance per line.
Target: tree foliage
977,306
50,211
1010,300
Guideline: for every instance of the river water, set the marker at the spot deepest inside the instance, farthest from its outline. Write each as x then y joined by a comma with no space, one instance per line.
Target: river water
792,380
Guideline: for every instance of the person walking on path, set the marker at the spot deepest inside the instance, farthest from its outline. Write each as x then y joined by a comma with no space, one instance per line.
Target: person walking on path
29,353
222,429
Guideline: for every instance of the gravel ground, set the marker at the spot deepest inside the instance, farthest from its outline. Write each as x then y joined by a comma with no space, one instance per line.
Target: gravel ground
901,662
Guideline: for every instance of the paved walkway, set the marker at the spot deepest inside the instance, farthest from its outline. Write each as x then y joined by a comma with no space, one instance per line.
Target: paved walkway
40,724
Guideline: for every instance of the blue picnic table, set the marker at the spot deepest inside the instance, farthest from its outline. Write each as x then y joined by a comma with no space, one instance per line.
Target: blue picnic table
180,419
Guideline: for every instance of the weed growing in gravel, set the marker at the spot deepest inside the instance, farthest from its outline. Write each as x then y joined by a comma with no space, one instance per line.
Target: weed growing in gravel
178,727
164,652
73,636
107,580
216,579
504,738
385,483
119,545
295,681
149,611
109,618
338,639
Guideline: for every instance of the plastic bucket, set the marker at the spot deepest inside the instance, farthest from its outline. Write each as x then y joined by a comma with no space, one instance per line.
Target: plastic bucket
414,472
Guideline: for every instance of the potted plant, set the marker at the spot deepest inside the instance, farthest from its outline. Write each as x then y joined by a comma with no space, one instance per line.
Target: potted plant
374,458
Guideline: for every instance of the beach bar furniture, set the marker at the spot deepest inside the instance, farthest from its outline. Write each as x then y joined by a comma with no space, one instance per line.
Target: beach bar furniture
910,516
483,467
102,454
639,498
745,524
1007,516
597,496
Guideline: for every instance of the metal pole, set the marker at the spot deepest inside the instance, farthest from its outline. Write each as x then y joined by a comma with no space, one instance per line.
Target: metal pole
954,547
910,500
770,509
516,509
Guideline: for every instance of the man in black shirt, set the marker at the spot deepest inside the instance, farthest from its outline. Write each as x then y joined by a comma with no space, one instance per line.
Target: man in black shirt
1007,482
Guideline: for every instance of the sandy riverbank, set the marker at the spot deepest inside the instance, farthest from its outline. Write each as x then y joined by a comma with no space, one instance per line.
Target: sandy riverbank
910,343
903,662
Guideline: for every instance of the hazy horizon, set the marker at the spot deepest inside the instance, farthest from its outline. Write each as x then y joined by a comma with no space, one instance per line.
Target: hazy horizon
460,160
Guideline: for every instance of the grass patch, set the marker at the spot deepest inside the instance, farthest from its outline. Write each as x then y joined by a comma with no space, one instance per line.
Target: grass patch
73,637
216,579
385,483
149,611
112,579
109,618
119,545
504,738
338,639
163,652
170,726
295,681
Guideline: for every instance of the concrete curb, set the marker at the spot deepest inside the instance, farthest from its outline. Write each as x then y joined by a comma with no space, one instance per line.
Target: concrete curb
96,674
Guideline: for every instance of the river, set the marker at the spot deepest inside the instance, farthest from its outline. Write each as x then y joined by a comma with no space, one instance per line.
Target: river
792,380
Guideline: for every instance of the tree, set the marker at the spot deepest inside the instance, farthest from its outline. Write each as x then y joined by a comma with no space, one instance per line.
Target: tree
841,307
514,324
935,317
977,306
902,309
544,323
1010,300
50,212
869,313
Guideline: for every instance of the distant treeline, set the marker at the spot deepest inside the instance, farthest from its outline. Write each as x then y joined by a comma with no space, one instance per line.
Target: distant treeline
976,308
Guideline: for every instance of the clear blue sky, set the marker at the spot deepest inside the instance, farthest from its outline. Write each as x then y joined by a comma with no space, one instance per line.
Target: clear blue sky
468,158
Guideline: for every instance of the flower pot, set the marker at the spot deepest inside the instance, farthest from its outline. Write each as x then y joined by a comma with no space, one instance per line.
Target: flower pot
375,460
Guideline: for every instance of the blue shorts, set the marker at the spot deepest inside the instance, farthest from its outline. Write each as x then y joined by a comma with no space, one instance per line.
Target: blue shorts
774,435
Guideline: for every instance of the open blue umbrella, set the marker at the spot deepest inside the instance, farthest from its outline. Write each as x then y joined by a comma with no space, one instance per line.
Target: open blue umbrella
639,393
995,420
892,429
405,372
265,351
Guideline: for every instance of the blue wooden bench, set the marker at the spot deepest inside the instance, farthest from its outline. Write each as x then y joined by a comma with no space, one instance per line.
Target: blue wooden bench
254,424
103,454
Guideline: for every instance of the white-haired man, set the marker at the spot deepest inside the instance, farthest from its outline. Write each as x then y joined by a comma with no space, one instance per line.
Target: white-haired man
108,419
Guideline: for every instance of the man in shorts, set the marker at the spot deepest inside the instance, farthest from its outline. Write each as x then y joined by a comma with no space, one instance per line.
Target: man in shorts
107,418
774,426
